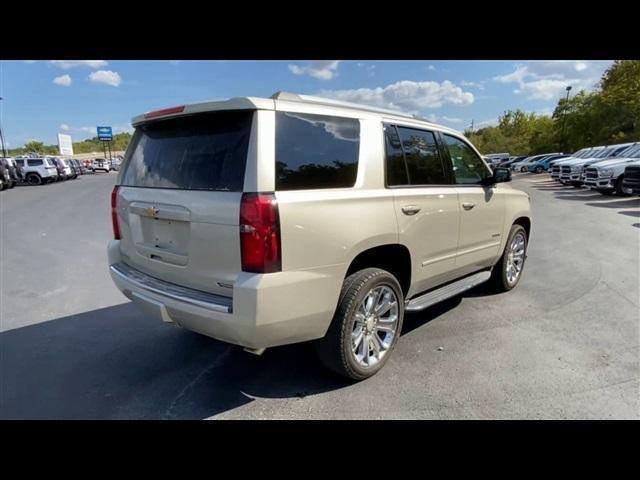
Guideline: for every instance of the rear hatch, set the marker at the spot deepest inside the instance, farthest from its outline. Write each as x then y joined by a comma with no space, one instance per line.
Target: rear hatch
179,199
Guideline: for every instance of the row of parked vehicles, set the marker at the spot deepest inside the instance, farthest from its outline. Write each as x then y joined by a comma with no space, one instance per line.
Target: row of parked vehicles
41,170
610,169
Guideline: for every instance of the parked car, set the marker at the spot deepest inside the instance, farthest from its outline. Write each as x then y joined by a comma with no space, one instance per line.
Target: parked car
496,158
100,164
10,173
511,160
369,223
64,170
607,176
523,165
38,171
18,169
557,164
114,164
571,170
76,167
5,178
631,180
543,164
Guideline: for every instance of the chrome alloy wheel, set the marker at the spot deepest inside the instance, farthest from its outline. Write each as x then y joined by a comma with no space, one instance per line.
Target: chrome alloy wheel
515,258
375,325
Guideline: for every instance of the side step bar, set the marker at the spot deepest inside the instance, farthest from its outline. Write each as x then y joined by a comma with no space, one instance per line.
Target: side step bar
448,291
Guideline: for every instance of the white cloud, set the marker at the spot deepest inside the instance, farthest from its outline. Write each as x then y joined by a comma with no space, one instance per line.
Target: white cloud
30,61
478,85
107,77
431,67
406,95
65,127
547,80
322,70
452,119
67,64
63,80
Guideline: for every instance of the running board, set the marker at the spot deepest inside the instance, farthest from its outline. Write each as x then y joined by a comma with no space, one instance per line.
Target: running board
448,291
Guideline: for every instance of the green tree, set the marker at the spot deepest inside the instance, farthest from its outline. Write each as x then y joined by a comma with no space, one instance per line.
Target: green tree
34,146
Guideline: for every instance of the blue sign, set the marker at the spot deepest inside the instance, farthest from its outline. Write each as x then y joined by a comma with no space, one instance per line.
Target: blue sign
105,134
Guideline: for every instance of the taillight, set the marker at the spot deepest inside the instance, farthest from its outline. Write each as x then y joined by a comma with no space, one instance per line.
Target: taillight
165,111
114,213
260,233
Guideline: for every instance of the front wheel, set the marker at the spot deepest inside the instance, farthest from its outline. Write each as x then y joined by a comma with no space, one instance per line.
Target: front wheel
507,272
538,169
619,191
366,325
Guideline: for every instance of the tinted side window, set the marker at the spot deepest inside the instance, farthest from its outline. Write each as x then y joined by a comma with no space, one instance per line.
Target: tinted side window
396,168
316,151
424,164
34,163
468,167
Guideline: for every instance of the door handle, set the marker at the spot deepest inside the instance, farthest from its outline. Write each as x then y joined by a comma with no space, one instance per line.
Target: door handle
468,205
410,210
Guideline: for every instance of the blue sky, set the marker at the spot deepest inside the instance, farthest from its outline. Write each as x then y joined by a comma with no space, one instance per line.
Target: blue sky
43,98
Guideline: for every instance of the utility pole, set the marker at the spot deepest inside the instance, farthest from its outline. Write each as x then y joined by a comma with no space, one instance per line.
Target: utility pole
4,150
564,118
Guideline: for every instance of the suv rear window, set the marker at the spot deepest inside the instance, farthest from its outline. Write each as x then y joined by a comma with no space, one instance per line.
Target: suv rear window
316,151
206,151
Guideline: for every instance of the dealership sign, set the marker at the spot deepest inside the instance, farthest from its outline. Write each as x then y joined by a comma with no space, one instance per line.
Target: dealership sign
105,134
64,144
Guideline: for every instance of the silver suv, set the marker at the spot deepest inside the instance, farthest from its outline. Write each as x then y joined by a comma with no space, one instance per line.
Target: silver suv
264,222
37,170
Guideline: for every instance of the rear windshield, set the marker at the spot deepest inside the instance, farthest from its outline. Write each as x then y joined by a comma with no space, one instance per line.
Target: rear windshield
207,151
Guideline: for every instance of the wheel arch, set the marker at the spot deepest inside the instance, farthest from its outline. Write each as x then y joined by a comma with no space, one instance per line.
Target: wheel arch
395,258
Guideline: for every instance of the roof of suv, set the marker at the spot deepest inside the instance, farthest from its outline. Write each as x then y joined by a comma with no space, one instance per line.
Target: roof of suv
251,103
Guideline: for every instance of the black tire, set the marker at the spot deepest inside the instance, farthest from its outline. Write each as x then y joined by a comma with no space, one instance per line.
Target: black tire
608,193
538,169
334,350
33,179
498,282
619,191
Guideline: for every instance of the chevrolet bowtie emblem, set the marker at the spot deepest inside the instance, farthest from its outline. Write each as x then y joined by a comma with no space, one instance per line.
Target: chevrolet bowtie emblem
150,212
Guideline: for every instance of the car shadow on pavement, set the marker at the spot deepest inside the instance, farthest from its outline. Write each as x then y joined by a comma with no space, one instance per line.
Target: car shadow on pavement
632,213
630,203
117,363
585,195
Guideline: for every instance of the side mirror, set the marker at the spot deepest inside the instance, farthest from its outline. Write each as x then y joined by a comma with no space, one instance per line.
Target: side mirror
500,175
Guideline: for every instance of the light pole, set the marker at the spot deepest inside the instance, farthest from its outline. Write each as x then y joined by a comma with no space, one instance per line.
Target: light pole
564,117
4,151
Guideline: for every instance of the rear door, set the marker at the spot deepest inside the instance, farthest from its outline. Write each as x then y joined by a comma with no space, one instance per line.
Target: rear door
179,199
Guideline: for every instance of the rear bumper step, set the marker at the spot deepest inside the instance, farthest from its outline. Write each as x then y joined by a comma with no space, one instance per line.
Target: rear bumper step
147,283
436,296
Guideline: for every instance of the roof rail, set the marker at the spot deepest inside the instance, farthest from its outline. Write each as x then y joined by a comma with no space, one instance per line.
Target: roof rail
295,97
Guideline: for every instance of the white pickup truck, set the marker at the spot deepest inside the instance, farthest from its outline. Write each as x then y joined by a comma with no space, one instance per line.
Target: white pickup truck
607,176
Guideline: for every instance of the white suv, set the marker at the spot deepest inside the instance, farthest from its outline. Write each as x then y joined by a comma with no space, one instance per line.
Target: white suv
264,222
37,171
100,164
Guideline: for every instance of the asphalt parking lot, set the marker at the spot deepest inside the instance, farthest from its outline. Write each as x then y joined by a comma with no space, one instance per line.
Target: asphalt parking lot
563,344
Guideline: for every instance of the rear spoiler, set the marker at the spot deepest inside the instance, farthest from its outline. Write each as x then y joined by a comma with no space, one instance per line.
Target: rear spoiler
238,103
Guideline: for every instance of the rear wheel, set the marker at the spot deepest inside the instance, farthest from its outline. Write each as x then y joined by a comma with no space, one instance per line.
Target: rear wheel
366,325
539,169
34,179
507,272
